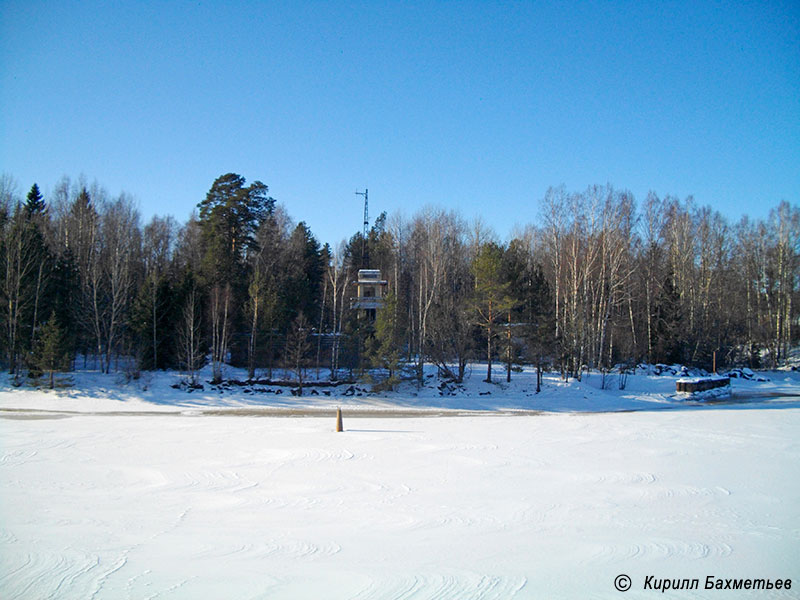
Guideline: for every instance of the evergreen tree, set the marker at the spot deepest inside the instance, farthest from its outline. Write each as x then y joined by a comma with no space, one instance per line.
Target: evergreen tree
355,331
230,215
533,311
52,351
304,274
492,299
384,347
35,204
81,248
542,344
151,319
63,290
670,333
39,284
265,306
27,268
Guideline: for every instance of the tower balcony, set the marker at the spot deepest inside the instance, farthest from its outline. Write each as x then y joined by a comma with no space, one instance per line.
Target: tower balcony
366,303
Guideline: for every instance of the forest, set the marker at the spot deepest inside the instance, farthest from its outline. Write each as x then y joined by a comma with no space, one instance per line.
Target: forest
596,281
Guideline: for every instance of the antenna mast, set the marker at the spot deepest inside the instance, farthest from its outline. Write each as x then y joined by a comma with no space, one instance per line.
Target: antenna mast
365,193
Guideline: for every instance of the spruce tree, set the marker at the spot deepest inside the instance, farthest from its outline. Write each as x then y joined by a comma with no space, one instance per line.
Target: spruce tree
152,316
670,334
384,347
305,270
35,204
52,352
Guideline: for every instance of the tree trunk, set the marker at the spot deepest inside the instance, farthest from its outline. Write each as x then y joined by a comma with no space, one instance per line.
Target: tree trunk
321,321
154,301
36,303
251,346
508,350
489,345
538,376
220,301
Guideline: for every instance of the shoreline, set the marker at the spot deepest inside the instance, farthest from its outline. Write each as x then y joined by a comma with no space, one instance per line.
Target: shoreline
395,412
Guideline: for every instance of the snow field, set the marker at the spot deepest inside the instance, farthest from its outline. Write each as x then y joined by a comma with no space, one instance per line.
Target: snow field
549,506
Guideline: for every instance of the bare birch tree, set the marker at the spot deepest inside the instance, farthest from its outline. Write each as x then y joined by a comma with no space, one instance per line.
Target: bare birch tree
189,332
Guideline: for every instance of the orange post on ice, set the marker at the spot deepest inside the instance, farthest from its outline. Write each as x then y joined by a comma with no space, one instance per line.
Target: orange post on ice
339,426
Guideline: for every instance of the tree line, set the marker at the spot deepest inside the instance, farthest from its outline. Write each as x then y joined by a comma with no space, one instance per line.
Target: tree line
596,282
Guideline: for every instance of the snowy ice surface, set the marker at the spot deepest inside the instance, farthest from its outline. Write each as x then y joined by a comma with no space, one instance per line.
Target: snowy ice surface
109,490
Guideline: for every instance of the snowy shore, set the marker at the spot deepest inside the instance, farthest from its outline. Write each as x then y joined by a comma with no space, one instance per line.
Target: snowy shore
92,392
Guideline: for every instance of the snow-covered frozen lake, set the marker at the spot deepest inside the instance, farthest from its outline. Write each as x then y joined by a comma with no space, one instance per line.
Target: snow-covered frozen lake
539,506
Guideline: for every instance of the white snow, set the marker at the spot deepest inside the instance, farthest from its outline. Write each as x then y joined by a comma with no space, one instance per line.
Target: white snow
109,490
699,379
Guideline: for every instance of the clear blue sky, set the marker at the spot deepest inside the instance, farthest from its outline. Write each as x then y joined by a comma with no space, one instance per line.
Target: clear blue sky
479,106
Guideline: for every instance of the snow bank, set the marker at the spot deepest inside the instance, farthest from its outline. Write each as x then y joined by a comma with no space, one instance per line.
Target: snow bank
159,392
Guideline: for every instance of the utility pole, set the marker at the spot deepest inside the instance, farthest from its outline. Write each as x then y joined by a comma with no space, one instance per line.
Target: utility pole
364,234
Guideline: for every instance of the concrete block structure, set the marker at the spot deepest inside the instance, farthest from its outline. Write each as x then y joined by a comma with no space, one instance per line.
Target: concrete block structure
371,290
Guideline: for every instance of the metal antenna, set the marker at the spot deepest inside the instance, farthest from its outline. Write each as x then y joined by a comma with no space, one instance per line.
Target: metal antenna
365,193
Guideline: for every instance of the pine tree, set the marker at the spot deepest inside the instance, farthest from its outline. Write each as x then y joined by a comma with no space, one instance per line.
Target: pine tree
492,299
229,219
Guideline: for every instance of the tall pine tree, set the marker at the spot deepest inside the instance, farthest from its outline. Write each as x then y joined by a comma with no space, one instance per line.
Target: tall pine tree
230,216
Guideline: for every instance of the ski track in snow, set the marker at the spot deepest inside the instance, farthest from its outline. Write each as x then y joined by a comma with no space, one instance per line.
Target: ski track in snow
520,507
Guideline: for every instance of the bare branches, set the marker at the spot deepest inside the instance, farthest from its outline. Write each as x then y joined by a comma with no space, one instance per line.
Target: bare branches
594,283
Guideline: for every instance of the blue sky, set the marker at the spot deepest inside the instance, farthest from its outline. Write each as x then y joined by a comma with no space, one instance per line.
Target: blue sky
479,106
